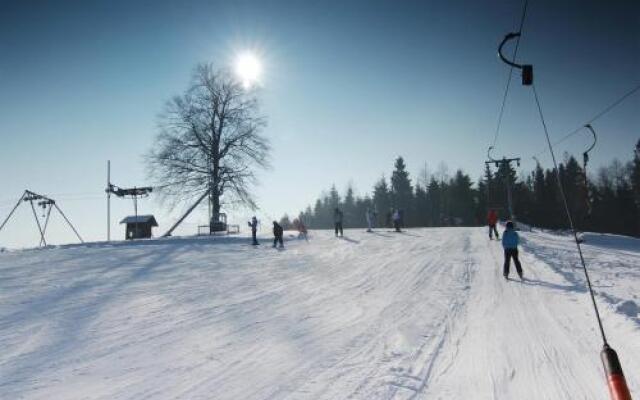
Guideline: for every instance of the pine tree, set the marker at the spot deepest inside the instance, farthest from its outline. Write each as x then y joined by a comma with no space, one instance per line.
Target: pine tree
349,208
481,205
615,198
553,216
434,201
334,198
462,199
285,222
420,210
524,199
635,184
539,196
307,217
401,190
382,201
486,195
626,211
576,192
505,177
318,214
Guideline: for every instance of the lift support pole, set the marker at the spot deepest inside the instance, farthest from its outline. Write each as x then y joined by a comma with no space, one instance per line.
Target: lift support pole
507,162
168,233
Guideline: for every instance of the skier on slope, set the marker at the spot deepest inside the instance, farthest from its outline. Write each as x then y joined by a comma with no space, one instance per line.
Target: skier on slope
302,229
371,217
277,234
338,216
510,240
397,218
492,220
254,228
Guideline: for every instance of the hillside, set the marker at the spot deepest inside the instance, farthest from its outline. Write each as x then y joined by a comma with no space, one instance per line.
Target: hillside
424,314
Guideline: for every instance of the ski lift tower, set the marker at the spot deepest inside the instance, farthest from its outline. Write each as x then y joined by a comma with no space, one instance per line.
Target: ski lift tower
133,193
506,162
47,204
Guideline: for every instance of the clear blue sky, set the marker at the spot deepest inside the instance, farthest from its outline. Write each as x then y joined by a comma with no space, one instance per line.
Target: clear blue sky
347,87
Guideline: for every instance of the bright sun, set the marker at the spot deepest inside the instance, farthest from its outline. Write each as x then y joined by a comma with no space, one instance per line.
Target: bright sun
248,69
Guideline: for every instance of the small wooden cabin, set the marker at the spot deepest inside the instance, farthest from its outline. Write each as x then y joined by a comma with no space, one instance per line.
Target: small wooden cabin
139,227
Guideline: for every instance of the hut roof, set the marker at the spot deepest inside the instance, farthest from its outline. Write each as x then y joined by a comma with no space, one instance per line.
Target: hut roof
140,219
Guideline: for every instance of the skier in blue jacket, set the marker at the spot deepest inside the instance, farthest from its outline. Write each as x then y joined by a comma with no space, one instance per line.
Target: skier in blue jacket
510,240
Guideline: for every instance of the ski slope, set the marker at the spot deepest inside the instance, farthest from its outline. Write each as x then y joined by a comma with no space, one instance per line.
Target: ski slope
424,314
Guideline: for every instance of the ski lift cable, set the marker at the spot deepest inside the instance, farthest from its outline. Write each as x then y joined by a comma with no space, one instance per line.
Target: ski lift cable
616,381
508,85
600,114
569,218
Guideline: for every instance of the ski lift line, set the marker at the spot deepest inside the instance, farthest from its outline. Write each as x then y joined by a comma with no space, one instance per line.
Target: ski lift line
569,218
600,114
508,85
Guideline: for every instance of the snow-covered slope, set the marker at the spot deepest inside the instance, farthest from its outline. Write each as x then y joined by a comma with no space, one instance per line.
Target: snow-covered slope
424,314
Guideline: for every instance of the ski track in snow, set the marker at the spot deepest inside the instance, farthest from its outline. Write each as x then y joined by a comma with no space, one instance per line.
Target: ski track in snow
423,314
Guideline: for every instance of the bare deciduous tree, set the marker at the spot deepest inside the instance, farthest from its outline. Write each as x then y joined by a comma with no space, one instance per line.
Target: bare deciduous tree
210,142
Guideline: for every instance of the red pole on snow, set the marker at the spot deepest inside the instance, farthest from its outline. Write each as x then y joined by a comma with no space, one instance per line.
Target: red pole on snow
618,388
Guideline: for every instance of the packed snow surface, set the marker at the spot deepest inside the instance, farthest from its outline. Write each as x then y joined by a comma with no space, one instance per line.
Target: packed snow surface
424,314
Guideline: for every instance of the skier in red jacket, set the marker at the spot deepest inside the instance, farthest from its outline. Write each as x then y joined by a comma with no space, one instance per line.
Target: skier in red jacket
492,220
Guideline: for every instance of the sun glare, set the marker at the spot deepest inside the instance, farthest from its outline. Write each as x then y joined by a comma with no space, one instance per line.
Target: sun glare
248,69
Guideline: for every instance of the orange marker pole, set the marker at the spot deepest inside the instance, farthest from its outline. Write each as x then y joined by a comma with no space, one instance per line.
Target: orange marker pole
618,388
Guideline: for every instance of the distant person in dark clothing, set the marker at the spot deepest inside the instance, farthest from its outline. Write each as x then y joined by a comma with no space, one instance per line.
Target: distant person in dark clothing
492,220
370,216
396,220
277,234
254,228
510,240
302,229
338,216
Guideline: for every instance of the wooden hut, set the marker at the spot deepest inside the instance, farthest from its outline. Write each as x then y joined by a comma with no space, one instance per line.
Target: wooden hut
139,227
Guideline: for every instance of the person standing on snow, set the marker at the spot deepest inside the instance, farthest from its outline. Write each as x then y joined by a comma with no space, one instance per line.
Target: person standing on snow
510,240
277,234
396,220
492,220
338,216
371,217
302,229
254,228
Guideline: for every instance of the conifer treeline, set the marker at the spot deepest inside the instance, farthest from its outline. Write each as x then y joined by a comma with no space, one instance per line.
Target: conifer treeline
611,203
